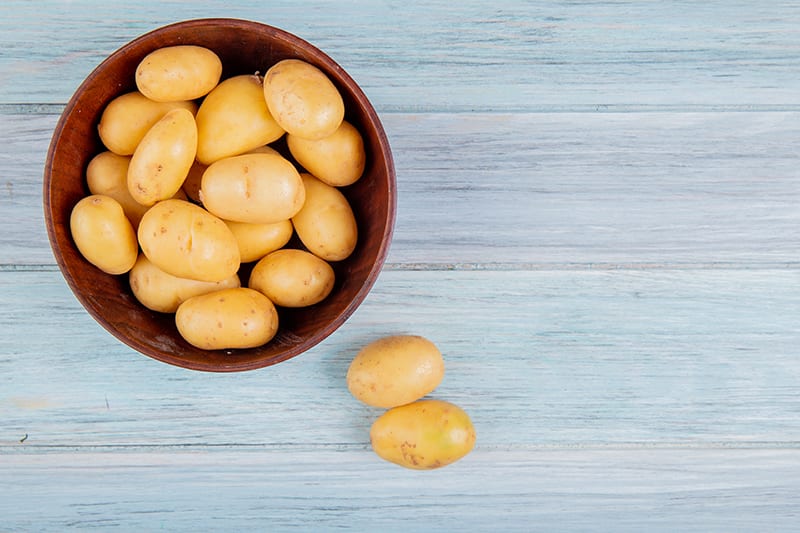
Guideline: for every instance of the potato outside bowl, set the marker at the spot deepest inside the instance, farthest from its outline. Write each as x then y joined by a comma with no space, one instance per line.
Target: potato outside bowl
244,47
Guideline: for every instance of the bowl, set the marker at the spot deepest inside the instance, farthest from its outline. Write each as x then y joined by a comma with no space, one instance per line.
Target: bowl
244,47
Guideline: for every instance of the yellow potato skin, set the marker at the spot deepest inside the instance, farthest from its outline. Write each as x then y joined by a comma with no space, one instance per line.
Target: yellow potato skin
227,319
234,119
423,435
184,240
107,173
183,72
326,223
257,188
162,292
302,99
292,278
127,118
338,159
395,370
103,234
257,240
163,158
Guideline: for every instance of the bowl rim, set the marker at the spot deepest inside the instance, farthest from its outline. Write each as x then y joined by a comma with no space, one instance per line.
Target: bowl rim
388,222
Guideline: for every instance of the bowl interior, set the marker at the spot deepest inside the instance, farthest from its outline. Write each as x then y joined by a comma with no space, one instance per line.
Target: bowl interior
243,47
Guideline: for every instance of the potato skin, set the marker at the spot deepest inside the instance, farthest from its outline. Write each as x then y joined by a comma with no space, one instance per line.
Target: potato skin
338,159
257,240
257,188
423,435
302,99
128,117
107,173
103,235
162,292
186,241
183,72
227,319
292,278
395,370
326,223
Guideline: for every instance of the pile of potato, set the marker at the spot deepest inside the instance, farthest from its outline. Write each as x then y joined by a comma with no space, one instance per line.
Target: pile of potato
189,189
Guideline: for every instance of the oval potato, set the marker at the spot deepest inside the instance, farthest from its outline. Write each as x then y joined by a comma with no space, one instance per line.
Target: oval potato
395,370
326,223
163,158
182,72
423,435
186,241
103,234
227,319
162,292
302,99
257,188
292,278
127,118
257,240
107,173
233,119
338,159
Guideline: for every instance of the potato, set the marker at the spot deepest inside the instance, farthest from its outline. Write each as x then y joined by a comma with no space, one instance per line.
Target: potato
107,173
233,119
395,370
103,235
191,185
254,188
292,278
186,241
257,240
162,292
326,223
337,159
163,158
423,435
302,99
227,319
127,118
183,72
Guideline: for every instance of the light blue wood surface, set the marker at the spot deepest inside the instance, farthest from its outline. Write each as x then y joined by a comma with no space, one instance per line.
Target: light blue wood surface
598,224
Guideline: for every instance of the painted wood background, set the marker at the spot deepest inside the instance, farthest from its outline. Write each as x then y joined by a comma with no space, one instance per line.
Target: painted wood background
598,224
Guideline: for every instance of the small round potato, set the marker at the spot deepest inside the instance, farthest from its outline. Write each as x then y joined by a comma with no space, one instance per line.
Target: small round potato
103,235
227,319
326,223
183,72
185,240
257,240
395,370
127,118
337,159
256,188
107,173
423,435
233,119
163,158
302,99
162,292
292,278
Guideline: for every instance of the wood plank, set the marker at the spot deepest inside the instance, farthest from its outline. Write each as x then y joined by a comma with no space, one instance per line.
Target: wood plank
540,188
536,357
457,56
702,490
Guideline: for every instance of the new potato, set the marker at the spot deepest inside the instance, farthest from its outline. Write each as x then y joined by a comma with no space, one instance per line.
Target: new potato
185,240
338,159
103,234
162,292
107,173
423,435
292,278
257,240
395,370
227,319
326,223
183,72
258,188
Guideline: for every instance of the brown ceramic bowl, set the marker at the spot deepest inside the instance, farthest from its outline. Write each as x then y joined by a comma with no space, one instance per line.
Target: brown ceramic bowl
243,47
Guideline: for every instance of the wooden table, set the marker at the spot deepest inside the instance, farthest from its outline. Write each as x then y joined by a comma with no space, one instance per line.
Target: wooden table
598,224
